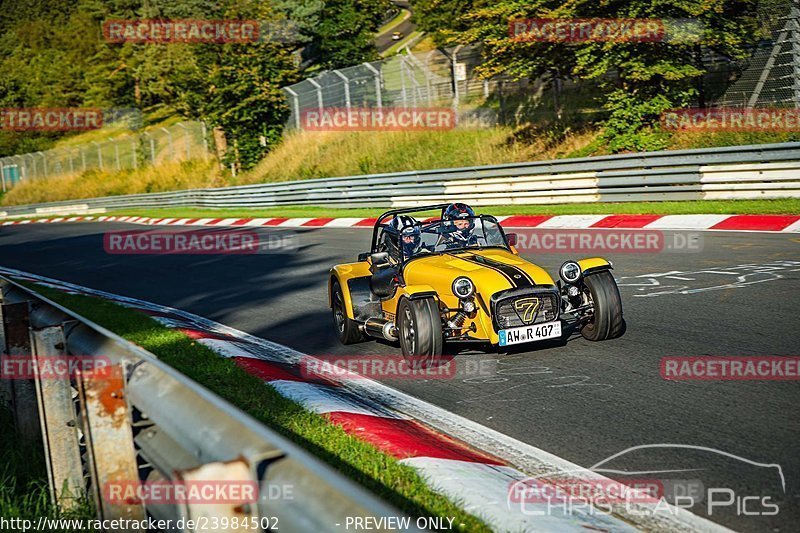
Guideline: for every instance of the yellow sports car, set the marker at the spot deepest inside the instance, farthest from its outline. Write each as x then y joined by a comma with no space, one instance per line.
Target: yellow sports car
458,277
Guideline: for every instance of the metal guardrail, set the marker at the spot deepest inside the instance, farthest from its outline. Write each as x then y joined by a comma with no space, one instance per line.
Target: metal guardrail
734,172
141,420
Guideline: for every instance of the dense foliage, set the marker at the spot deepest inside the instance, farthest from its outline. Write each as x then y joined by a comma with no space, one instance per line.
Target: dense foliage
54,54
636,81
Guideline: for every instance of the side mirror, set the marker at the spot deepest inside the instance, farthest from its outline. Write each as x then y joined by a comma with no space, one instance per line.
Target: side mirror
363,256
512,239
379,259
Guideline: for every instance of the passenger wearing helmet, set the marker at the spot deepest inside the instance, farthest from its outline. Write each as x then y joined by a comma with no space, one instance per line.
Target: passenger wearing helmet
409,234
458,226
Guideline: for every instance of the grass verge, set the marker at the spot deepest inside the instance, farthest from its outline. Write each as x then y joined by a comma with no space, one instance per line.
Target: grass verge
307,155
378,472
24,492
737,207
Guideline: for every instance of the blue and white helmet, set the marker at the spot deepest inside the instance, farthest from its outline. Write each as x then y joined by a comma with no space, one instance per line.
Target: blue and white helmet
410,234
459,211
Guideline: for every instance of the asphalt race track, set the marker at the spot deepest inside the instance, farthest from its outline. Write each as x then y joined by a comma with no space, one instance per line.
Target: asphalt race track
583,401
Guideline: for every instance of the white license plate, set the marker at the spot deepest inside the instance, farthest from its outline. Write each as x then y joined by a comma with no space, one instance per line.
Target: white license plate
536,332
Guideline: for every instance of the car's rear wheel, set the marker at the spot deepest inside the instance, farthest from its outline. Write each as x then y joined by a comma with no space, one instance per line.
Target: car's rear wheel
420,330
606,321
346,328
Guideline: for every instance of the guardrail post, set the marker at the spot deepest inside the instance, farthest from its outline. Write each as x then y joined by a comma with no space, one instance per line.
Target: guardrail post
109,439
236,471
16,322
58,419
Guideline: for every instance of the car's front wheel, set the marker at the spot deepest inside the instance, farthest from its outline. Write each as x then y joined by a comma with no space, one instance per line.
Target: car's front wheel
420,329
346,328
606,321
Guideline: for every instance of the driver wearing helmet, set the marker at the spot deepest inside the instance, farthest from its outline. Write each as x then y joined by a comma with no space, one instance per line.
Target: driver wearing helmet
410,234
458,226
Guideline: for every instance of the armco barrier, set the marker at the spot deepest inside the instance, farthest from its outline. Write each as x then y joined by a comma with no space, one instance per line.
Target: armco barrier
734,172
142,421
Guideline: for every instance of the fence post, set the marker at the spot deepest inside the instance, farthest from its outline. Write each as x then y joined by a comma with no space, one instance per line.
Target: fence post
319,93
134,140
152,148
454,73
44,162
99,155
71,164
57,417
346,88
296,112
3,180
16,322
116,152
34,164
169,140
83,158
205,140
377,75
403,94
109,440
186,140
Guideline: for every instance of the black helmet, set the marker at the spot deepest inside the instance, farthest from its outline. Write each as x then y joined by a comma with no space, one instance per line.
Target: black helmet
459,211
409,231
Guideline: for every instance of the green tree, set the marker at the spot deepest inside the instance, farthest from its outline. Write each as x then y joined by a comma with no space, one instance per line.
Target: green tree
636,80
345,35
438,17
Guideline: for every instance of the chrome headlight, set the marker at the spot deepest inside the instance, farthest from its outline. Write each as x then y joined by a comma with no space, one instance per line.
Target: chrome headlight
570,272
463,287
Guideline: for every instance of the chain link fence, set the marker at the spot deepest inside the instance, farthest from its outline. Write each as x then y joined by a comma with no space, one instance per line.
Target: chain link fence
179,142
771,76
448,77
438,78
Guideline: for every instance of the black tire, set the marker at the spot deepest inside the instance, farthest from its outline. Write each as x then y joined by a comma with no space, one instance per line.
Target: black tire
419,326
607,321
346,328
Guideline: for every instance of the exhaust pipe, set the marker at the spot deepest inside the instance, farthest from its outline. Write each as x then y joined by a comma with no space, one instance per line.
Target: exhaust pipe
381,328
